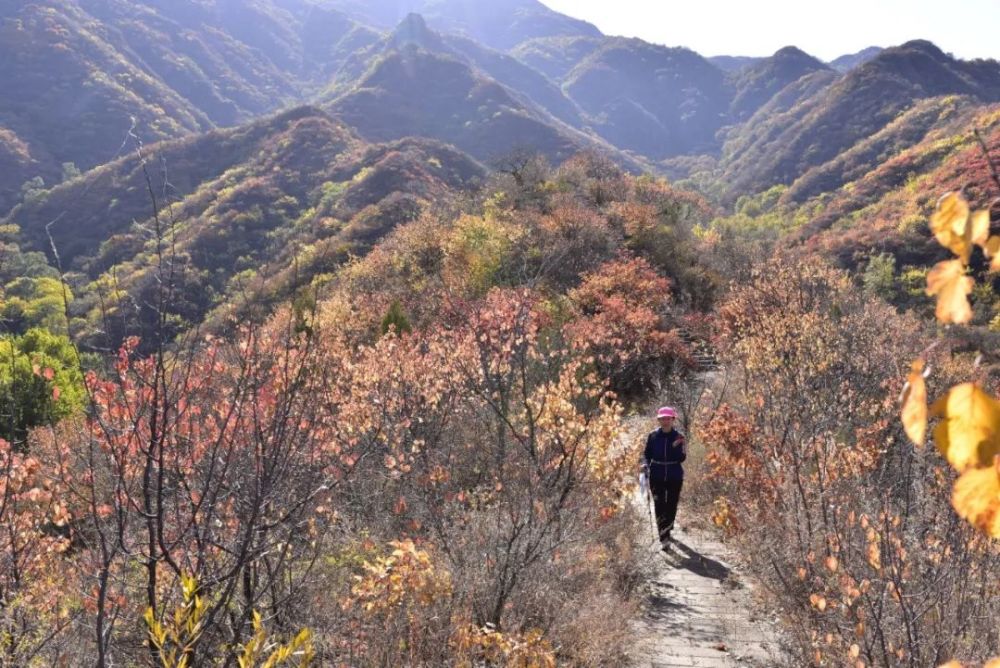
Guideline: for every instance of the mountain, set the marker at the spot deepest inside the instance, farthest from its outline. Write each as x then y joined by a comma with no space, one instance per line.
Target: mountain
777,147
516,75
492,78
654,100
256,209
848,62
885,209
948,115
876,199
418,86
77,95
234,60
87,72
555,57
533,87
759,82
500,24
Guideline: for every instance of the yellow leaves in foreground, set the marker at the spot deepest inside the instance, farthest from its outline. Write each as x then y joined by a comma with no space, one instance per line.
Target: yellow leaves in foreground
969,437
915,404
175,636
958,230
968,434
976,497
947,280
949,225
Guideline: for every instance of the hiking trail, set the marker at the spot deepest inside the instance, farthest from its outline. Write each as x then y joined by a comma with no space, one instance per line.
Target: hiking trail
699,609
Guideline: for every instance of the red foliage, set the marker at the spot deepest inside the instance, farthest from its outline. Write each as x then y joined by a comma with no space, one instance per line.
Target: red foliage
623,322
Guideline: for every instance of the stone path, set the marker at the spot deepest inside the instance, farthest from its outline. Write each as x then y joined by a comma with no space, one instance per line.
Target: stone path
700,611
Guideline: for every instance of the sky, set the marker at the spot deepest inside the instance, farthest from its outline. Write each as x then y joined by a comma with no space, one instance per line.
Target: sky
966,28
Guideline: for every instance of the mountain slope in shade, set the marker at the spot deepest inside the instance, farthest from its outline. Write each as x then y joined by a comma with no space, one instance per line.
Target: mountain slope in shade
517,76
756,84
653,100
234,60
84,69
848,62
555,57
734,64
773,149
419,87
500,24
747,158
76,95
256,208
19,163
534,87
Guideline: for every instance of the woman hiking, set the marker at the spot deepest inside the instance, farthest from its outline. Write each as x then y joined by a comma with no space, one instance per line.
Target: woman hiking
662,462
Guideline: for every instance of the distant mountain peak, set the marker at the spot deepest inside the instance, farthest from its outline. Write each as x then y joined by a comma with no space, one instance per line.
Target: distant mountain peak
790,52
849,61
757,83
925,46
413,31
794,57
499,24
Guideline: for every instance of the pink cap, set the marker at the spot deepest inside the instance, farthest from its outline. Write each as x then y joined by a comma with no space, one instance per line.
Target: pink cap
666,411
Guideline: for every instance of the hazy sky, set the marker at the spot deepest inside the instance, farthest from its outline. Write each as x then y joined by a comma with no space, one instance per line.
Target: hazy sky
827,29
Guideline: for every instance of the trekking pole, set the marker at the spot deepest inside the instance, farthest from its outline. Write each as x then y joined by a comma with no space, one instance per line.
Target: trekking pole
644,484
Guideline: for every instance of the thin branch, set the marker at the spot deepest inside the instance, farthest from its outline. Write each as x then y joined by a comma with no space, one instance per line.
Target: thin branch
994,172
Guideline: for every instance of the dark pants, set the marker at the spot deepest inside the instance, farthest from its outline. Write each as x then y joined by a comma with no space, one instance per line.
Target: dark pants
666,494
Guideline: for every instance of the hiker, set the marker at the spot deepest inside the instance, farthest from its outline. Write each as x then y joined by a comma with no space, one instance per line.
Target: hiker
661,462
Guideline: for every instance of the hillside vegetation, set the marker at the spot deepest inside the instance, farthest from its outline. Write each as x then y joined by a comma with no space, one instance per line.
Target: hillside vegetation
325,326
250,216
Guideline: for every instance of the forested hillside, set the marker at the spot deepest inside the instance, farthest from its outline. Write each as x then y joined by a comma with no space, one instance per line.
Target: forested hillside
329,328
250,215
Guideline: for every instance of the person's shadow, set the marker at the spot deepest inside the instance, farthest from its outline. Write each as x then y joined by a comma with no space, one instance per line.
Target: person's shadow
682,556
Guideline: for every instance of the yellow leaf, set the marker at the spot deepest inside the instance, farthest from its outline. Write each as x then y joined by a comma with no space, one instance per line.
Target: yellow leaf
951,664
950,225
976,498
992,250
969,432
948,281
979,227
914,414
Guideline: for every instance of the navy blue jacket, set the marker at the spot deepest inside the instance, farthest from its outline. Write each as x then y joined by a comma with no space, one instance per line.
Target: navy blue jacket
663,455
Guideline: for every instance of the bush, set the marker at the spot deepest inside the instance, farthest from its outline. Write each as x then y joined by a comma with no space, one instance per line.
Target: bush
872,564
